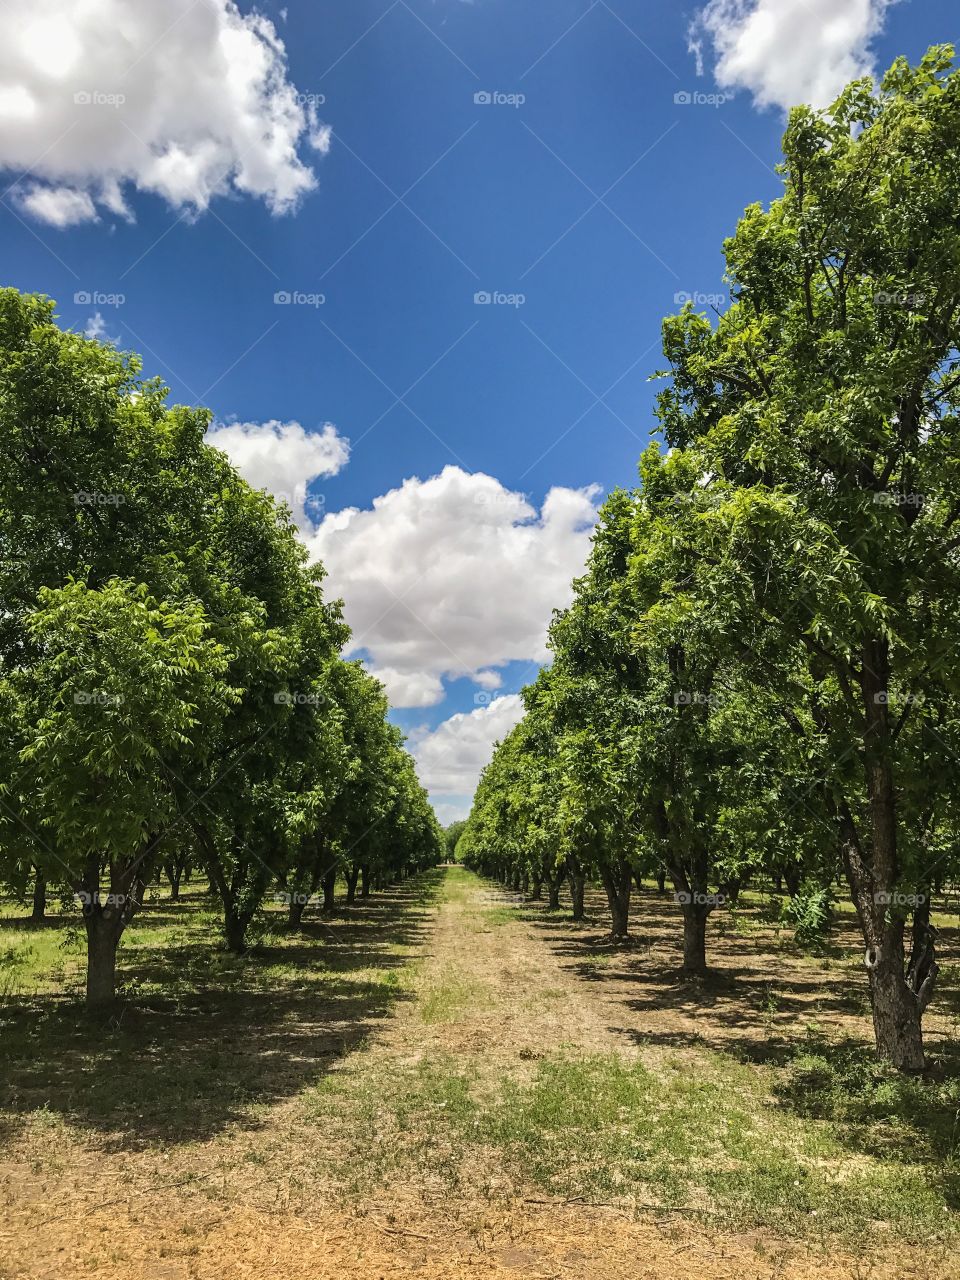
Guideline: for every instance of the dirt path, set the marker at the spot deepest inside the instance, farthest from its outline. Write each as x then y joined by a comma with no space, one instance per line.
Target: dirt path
362,1175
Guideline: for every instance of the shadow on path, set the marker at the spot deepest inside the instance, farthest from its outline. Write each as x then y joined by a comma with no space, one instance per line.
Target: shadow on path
203,1036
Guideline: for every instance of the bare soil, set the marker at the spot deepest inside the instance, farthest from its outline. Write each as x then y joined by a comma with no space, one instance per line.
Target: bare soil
255,1195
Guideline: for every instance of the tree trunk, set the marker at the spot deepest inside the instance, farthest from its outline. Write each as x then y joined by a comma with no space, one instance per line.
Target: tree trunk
536,891
105,918
351,877
896,1012
695,937
577,881
731,890
38,914
329,883
898,997
364,882
553,893
617,882
103,936
174,870
300,900
794,879
235,924
662,880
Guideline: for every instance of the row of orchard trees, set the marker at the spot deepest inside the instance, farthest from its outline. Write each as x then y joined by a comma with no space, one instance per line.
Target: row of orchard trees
761,666
171,678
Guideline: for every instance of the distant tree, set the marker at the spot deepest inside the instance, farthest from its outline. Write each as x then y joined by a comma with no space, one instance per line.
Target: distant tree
451,834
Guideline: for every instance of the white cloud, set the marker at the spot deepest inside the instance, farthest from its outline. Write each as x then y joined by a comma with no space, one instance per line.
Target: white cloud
448,811
410,689
454,575
450,758
488,679
787,52
182,99
58,206
96,327
282,457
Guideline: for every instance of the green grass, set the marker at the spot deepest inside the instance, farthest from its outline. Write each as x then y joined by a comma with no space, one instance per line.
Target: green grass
707,1139
450,998
200,1037
203,1040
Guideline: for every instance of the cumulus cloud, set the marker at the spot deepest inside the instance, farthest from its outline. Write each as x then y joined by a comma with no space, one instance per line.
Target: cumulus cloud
451,757
453,576
448,811
185,100
282,457
96,328
58,206
410,688
787,52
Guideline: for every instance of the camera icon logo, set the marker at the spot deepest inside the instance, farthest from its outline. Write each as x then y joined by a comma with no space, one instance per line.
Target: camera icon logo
282,298
683,98
483,98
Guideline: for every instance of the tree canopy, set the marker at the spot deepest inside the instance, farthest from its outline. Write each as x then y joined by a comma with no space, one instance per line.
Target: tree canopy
173,684
760,666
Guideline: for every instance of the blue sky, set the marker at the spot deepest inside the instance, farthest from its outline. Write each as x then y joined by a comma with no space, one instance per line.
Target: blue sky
584,197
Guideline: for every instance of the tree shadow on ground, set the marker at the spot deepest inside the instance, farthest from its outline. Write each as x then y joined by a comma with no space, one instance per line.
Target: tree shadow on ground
23,924
767,1004
202,1039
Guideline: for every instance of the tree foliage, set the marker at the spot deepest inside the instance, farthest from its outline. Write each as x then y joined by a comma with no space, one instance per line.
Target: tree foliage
760,667
173,682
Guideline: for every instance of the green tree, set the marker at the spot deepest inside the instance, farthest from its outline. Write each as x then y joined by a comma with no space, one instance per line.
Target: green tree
122,685
451,834
823,410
